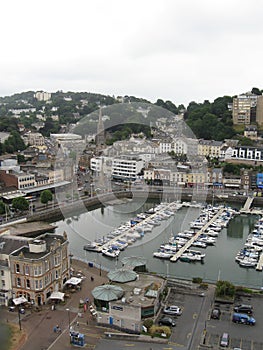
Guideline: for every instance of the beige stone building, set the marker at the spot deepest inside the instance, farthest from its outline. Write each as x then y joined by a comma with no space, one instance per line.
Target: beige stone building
40,267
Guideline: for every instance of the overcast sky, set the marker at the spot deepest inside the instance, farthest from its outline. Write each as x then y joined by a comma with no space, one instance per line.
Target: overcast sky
182,51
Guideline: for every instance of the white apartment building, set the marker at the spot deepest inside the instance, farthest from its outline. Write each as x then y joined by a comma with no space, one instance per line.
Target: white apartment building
42,96
126,167
96,164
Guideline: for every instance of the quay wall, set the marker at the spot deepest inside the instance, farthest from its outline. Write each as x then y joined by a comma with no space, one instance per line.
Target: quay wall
69,209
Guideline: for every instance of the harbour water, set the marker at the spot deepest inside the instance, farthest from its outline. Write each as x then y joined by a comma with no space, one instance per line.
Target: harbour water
219,262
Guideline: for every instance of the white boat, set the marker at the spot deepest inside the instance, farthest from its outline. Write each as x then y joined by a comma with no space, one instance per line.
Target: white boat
112,253
180,240
247,262
187,256
197,225
170,247
197,253
199,244
92,246
162,255
212,233
185,234
207,239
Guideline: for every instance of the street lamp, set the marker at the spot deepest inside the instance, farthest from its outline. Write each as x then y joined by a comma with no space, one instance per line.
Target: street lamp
19,318
68,318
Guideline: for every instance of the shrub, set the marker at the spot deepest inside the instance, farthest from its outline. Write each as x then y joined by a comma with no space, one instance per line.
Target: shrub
197,280
148,323
158,330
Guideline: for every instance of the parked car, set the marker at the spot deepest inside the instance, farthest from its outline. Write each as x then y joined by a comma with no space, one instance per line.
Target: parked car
167,321
242,308
215,314
172,310
224,341
244,319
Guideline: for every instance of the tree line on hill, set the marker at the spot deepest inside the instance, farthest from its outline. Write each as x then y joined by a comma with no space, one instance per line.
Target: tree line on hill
208,120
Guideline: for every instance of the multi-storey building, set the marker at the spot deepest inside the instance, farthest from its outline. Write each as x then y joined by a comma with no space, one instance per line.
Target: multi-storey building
244,109
8,244
20,180
126,167
39,268
42,96
259,111
209,148
245,154
34,139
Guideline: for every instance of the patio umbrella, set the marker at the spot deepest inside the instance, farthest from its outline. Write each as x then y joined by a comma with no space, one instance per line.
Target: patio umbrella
107,292
122,275
134,261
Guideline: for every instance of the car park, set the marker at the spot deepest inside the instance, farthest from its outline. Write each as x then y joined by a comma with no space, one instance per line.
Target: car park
215,314
243,308
243,319
224,341
167,321
172,310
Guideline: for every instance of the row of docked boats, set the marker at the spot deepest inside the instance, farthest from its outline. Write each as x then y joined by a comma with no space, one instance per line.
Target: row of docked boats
249,255
202,233
129,232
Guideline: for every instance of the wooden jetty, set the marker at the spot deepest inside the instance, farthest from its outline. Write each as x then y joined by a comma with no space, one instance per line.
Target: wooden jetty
188,244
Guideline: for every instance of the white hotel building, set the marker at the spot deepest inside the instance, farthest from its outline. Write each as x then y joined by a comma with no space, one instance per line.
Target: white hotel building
121,168
126,167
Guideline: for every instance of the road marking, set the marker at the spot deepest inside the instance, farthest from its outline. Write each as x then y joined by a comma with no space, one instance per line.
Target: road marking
174,344
92,335
129,344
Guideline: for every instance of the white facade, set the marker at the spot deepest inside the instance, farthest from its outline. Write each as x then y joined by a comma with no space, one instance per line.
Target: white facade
126,168
25,181
42,96
96,164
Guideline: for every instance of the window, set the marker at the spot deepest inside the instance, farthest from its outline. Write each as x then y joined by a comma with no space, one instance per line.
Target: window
3,283
17,268
56,274
18,282
26,270
56,260
37,270
2,272
38,284
46,265
28,283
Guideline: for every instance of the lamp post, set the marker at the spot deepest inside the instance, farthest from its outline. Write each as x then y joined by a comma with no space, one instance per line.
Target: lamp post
19,317
68,318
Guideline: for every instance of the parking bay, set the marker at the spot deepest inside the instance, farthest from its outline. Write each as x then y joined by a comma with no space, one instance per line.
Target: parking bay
195,321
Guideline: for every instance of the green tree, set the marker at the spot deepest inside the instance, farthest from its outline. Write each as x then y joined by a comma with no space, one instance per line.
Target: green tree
225,289
46,196
20,203
256,91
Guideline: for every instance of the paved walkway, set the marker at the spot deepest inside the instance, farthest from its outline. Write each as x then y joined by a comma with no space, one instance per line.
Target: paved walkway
39,326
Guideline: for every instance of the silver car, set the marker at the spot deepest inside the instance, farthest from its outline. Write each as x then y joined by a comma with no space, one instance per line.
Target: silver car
172,310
